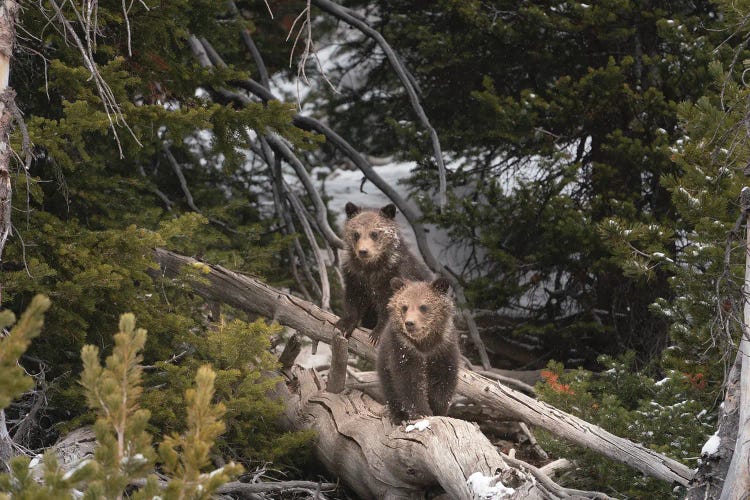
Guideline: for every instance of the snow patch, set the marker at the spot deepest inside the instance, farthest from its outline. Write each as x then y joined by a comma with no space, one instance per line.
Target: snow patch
711,448
418,426
75,469
487,487
35,461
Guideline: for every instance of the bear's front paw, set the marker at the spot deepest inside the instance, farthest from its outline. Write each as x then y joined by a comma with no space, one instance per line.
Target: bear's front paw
374,337
346,326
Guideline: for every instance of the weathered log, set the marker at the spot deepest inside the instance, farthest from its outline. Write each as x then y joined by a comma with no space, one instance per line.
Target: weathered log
737,482
252,295
379,460
714,464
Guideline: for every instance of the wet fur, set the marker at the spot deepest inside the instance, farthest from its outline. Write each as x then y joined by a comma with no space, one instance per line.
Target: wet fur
367,288
418,370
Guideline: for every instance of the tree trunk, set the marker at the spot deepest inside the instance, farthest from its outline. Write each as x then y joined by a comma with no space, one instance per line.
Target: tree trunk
8,16
737,482
709,479
249,294
379,460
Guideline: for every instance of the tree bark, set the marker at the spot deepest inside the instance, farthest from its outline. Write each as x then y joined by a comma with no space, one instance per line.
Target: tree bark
379,460
251,295
737,482
8,17
709,478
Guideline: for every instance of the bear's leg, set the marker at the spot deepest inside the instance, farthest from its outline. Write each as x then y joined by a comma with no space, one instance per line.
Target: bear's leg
385,374
442,376
412,386
377,331
357,301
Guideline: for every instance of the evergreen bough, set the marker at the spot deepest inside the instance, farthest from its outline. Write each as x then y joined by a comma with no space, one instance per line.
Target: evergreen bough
124,456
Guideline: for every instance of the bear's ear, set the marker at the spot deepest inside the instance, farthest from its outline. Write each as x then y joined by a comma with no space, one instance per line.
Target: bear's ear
351,209
397,284
388,211
441,285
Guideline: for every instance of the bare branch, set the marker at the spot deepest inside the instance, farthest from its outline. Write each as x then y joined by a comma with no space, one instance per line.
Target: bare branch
406,80
320,209
411,215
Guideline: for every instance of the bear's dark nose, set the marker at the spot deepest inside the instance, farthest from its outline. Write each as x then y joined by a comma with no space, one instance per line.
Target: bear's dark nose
363,253
409,325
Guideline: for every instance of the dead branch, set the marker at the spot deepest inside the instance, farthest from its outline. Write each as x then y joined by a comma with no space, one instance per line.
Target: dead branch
337,370
552,488
737,482
410,214
249,294
180,177
407,80
278,144
553,468
538,450
299,210
235,487
290,352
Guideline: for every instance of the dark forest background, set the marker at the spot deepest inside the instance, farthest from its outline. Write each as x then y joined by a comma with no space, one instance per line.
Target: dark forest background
596,156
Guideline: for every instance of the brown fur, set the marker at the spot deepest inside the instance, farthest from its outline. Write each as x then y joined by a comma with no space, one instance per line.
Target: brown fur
418,355
375,253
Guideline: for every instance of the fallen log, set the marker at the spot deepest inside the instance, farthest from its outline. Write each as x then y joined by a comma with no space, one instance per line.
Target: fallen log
252,295
379,460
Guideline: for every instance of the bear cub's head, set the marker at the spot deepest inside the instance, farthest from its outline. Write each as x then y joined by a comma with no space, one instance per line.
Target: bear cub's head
422,311
370,235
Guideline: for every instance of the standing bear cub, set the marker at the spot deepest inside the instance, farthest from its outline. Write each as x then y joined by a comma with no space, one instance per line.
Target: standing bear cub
418,355
375,253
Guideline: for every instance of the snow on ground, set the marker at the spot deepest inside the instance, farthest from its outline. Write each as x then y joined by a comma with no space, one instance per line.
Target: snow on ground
418,426
711,447
342,186
488,487
307,359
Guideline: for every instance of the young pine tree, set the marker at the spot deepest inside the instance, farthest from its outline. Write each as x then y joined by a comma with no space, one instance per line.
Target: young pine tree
124,456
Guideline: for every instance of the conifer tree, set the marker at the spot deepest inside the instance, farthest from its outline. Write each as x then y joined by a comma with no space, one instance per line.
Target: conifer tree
88,218
124,454
559,115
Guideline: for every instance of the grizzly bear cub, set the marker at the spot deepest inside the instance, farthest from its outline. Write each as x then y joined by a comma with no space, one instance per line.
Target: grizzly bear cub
418,355
375,253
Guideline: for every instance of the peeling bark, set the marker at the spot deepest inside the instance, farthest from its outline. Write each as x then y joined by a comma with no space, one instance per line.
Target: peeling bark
378,460
8,17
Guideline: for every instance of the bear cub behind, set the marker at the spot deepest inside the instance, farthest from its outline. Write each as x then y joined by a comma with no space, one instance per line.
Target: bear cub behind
418,354
375,253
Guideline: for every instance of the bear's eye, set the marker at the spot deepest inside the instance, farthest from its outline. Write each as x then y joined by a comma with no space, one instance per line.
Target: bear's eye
404,309
374,235
355,235
423,308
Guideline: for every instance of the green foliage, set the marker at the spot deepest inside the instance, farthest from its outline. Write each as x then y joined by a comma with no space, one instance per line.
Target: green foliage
86,217
184,456
15,343
124,453
668,416
239,353
571,127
